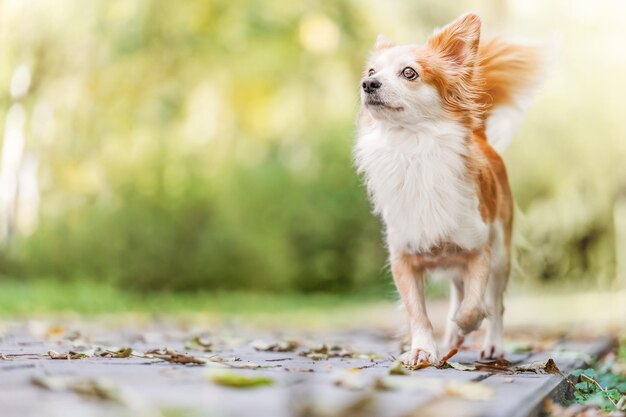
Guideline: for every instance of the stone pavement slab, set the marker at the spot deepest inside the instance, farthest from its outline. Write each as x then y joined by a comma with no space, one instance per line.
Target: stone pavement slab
358,383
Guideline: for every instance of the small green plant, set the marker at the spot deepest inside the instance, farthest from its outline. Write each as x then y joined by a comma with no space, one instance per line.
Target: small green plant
602,387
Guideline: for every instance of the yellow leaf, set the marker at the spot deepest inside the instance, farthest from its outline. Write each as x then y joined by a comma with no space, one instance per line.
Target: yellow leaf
240,381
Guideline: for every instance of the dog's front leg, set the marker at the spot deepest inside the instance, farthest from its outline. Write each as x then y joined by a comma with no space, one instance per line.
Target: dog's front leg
409,280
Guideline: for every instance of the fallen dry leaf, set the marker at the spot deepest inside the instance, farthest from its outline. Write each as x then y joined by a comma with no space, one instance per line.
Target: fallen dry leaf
350,379
461,367
124,352
69,355
91,388
172,356
198,343
282,346
153,353
363,406
97,389
159,351
325,352
494,366
52,383
417,366
215,358
396,368
469,390
317,356
547,367
182,358
410,383
370,356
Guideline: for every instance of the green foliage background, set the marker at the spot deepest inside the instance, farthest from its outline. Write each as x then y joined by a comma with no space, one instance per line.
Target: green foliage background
206,144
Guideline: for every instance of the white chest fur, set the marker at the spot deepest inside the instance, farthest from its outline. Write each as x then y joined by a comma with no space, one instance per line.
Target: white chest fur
418,182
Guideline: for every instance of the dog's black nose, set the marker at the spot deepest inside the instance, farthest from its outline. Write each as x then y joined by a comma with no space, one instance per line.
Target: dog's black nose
371,84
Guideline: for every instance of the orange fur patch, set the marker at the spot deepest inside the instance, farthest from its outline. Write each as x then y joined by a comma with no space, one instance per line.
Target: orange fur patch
507,69
472,78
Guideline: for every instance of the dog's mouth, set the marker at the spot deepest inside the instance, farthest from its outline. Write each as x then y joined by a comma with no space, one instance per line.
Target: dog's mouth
374,102
379,104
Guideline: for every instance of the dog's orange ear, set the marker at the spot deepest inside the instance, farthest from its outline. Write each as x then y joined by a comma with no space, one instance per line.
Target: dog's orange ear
382,42
458,41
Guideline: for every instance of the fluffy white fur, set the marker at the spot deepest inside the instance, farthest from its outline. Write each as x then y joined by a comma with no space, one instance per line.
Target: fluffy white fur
503,122
417,181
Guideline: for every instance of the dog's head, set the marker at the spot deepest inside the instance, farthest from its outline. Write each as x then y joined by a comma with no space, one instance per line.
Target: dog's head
406,84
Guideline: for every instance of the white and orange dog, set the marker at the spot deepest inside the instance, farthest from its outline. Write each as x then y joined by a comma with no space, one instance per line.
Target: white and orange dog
432,119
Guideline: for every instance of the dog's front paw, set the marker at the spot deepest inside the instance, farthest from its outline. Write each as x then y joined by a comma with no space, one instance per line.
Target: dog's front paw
416,356
492,351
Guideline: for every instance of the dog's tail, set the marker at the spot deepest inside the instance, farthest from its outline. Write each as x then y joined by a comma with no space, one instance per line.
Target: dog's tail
511,73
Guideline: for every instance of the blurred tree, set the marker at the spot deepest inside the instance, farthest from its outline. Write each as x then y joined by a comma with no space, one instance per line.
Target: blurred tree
187,145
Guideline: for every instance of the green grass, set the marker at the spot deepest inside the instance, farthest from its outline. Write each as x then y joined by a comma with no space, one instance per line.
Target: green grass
35,296
43,296
32,297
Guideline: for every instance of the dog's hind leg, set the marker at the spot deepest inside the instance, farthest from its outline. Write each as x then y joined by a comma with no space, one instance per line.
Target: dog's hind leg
498,279
471,312
453,336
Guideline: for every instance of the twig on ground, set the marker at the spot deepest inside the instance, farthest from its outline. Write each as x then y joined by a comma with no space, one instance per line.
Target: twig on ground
449,356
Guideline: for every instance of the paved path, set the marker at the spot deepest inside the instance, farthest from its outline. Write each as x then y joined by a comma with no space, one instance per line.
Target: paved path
352,379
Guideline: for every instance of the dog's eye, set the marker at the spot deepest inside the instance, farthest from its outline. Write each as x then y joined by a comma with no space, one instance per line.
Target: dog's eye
409,73
371,72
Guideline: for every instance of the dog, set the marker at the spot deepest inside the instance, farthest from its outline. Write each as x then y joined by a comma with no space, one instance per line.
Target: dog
432,122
